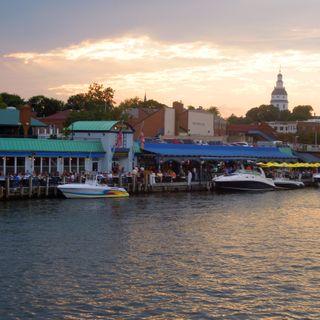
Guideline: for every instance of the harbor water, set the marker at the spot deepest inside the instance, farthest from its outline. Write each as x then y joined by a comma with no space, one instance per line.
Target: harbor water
186,256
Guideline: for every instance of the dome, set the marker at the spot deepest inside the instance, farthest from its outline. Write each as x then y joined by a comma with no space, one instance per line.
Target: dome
279,92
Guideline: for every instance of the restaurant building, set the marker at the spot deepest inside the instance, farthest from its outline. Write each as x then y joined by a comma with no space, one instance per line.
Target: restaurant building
91,146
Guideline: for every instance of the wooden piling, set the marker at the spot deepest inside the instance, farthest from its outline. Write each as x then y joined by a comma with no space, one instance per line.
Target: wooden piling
47,187
7,188
30,187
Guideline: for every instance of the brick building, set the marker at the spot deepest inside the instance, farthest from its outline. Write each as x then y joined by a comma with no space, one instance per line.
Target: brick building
177,122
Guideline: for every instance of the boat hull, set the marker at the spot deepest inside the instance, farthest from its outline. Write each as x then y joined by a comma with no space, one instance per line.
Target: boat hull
77,192
288,185
243,186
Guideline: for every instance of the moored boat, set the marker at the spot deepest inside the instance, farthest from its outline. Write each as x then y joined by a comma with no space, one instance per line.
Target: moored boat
245,180
284,183
91,189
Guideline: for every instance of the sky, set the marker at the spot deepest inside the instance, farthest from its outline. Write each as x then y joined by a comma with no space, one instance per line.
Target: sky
202,52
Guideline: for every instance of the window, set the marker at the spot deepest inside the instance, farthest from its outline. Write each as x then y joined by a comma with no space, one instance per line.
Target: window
82,164
74,166
36,165
45,165
20,164
10,165
66,165
2,166
53,165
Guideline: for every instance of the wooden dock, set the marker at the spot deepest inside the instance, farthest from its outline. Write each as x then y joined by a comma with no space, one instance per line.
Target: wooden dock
8,192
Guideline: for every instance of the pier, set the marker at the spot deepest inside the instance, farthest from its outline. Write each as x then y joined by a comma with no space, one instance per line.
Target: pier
50,190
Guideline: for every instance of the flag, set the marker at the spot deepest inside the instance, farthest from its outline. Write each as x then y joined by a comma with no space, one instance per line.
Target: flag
142,139
119,143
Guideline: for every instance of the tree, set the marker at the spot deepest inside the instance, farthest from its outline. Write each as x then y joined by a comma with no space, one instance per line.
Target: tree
152,104
214,110
191,108
301,112
12,100
135,102
233,119
285,115
2,104
98,96
45,106
253,115
263,113
77,102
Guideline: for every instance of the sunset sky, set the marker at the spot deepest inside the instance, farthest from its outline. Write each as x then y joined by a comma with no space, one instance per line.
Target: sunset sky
203,52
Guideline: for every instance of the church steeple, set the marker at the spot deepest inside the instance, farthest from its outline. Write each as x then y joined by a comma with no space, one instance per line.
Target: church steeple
145,97
279,96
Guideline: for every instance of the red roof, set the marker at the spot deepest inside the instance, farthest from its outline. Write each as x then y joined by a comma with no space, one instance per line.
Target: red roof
61,115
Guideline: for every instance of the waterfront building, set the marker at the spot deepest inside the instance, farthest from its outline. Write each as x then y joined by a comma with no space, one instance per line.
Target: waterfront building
251,133
177,123
284,126
175,156
56,122
94,146
19,123
279,96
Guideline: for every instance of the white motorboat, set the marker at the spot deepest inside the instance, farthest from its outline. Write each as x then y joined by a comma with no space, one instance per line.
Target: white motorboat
245,180
91,189
316,179
285,183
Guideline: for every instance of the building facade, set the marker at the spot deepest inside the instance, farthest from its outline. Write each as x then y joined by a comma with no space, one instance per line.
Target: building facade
284,126
97,146
177,122
279,96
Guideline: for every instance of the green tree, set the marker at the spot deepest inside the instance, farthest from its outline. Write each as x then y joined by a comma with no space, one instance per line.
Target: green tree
301,112
77,102
263,113
126,104
98,96
2,104
214,110
252,115
45,106
233,119
12,100
191,108
285,115
152,104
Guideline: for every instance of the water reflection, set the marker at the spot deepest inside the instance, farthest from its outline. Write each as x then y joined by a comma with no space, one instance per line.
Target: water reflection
173,256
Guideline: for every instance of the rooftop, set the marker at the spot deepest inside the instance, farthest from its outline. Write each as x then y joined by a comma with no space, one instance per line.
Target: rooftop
93,125
49,145
11,117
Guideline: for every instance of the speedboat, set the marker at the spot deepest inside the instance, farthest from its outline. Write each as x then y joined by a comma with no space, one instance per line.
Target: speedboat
284,183
245,180
91,189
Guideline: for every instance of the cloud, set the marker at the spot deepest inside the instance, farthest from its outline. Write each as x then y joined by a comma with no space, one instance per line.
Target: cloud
200,72
123,49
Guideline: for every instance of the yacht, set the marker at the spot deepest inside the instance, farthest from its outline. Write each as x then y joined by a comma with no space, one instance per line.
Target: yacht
316,179
245,180
91,189
285,183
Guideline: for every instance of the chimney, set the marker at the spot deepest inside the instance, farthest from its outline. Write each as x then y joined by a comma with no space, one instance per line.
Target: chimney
25,119
178,109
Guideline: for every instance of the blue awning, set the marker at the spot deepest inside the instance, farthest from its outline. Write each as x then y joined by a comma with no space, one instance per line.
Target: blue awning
216,152
307,157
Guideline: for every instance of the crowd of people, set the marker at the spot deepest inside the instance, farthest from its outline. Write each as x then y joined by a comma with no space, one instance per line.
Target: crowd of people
150,175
